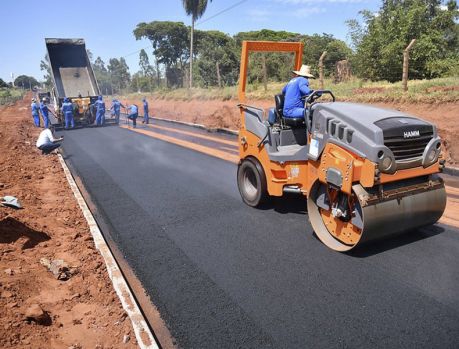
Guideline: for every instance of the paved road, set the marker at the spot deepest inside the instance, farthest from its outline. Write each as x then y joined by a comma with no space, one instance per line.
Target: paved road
224,275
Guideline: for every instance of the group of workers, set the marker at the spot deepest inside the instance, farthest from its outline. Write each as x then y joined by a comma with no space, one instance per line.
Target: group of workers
67,109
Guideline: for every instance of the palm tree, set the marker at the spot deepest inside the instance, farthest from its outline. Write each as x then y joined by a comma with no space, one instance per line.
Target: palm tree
195,9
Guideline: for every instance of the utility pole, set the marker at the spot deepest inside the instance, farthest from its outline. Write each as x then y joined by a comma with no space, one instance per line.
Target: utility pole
265,71
219,79
406,58
321,69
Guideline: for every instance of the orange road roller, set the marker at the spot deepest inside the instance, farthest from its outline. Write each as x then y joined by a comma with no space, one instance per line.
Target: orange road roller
367,172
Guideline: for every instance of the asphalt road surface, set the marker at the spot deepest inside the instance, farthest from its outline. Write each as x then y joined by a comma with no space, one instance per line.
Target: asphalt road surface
224,275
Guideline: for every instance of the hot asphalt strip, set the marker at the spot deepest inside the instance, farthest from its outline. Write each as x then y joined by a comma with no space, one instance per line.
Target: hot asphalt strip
224,275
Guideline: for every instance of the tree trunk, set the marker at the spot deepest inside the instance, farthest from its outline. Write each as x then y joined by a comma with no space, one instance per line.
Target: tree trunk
191,52
158,77
219,78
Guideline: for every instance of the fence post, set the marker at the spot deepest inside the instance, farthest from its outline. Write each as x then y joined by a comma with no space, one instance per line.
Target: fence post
406,58
321,69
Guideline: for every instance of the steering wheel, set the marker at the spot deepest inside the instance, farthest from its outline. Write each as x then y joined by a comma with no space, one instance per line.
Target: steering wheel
310,99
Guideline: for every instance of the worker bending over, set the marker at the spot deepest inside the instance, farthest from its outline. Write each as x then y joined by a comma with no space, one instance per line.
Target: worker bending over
46,141
133,114
67,110
295,90
35,112
100,111
145,110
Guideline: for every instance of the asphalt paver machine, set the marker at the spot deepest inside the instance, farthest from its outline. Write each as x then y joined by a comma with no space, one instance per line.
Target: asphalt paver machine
367,172
73,77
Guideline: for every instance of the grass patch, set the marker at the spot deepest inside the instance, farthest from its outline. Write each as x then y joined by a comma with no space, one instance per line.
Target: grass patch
10,95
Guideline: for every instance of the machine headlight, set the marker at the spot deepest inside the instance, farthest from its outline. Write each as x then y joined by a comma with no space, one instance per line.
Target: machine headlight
431,155
386,163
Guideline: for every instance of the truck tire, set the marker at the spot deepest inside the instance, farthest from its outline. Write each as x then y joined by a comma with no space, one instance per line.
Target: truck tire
251,182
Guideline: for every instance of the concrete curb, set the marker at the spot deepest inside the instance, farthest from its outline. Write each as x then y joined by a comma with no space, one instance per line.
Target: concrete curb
451,171
144,337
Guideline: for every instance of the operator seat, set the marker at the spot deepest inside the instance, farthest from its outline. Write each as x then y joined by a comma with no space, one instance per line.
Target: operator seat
292,122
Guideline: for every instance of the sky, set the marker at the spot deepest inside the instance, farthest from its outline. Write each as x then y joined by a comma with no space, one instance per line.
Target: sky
107,26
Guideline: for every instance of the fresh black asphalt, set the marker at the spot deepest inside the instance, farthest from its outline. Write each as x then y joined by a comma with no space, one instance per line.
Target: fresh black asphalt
224,275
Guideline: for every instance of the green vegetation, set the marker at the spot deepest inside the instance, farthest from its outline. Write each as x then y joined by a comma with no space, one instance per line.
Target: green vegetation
421,91
10,95
380,41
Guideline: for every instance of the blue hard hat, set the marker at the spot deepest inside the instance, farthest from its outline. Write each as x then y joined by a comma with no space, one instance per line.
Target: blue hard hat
99,98
66,100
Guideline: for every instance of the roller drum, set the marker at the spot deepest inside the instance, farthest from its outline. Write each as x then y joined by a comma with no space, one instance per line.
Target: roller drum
402,208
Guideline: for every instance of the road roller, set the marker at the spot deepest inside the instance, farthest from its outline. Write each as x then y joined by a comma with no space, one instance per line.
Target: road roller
367,172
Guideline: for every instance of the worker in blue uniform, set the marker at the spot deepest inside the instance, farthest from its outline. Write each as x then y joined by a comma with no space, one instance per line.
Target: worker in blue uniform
67,110
133,114
116,109
35,112
295,90
145,110
44,112
100,111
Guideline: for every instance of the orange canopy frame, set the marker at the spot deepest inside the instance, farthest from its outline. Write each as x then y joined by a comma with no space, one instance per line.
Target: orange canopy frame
265,46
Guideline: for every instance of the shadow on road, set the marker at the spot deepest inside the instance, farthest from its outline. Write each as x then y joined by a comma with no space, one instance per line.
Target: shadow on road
289,203
390,243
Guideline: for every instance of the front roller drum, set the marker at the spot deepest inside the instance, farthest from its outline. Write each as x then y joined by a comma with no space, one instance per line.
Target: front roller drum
376,215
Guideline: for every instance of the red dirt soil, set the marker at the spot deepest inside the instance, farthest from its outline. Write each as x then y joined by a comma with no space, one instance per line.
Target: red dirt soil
217,113
84,311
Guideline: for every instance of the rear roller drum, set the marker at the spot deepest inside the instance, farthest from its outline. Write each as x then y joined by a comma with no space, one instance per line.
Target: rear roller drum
251,181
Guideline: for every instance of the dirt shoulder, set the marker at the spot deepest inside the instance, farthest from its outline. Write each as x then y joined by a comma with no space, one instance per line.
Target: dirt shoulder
37,309
218,113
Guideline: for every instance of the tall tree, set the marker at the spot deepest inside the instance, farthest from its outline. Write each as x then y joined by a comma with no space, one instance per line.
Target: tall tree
119,72
382,38
169,41
195,9
45,67
26,82
147,70
102,76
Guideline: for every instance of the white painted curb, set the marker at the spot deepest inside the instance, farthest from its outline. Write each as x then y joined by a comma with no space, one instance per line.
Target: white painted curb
143,334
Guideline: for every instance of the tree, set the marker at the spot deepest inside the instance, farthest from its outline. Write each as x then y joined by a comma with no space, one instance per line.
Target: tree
119,72
195,9
26,82
169,41
147,71
45,67
217,58
382,37
3,84
102,76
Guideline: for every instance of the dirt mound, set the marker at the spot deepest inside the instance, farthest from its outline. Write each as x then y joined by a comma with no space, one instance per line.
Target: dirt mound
38,310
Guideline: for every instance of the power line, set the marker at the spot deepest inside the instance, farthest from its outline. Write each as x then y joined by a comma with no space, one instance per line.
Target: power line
221,12
199,23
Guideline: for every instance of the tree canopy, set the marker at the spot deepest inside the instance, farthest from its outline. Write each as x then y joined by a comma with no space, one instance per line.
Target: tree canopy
381,38
26,82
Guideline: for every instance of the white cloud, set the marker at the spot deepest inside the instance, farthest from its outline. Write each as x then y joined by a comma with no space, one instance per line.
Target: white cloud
307,11
259,14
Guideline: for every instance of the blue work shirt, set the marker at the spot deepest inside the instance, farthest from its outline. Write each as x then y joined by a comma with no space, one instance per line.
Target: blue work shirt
133,110
145,107
297,88
35,108
100,105
44,109
116,106
67,108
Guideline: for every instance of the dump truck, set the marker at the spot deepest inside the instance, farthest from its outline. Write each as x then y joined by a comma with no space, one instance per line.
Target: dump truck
73,77
367,172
